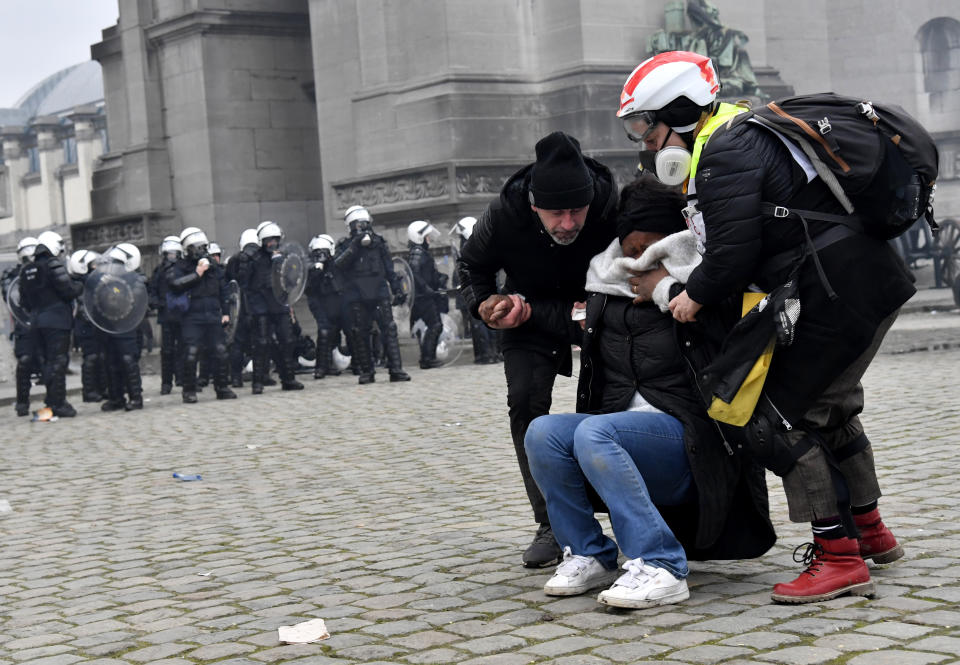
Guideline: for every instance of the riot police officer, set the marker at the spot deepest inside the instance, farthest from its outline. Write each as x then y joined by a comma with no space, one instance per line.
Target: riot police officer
24,348
429,290
47,292
171,352
268,315
93,371
124,383
239,349
483,338
324,298
202,323
364,261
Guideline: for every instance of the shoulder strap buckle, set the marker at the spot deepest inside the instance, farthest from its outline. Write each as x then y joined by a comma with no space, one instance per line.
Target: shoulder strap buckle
781,212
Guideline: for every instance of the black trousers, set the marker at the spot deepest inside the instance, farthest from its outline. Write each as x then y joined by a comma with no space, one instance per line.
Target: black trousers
530,378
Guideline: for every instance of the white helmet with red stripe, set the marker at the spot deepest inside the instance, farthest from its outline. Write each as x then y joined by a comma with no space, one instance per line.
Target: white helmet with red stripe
667,76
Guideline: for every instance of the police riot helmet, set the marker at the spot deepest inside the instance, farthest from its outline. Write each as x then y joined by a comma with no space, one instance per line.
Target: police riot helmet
171,244
194,242
249,237
356,214
464,228
25,248
322,241
267,230
125,253
419,231
79,262
52,241
214,249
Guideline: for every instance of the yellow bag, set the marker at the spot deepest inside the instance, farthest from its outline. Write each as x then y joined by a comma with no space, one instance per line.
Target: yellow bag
739,410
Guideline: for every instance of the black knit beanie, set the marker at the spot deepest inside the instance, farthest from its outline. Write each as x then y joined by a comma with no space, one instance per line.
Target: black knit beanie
560,178
646,204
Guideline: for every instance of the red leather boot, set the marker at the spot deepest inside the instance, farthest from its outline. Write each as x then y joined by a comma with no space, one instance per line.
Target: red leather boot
877,542
834,568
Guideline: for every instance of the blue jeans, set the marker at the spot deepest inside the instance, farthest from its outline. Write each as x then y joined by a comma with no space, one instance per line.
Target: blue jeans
633,460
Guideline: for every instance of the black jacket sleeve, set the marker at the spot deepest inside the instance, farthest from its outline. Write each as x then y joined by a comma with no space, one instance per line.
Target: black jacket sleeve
182,283
65,286
478,264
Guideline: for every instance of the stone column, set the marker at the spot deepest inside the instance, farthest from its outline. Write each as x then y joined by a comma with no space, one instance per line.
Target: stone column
51,158
89,147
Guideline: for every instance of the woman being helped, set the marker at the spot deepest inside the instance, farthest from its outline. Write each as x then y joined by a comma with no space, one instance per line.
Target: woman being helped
641,438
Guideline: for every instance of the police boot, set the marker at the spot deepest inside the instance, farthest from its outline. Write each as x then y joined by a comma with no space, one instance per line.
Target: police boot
834,568
190,377
394,363
288,374
324,354
23,388
363,360
877,542
259,371
428,349
89,379
134,384
220,379
203,378
166,369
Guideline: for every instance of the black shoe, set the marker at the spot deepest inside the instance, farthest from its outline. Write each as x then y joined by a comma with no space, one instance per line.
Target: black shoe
485,360
399,375
543,551
318,374
236,383
113,405
134,404
333,372
366,378
431,364
189,398
202,383
92,397
226,393
23,409
256,389
165,388
291,385
269,382
65,410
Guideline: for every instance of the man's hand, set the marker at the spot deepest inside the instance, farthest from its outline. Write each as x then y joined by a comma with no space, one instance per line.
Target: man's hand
225,319
579,314
684,308
202,266
643,283
501,312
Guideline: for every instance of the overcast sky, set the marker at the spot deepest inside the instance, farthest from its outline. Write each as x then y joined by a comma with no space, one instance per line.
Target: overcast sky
41,37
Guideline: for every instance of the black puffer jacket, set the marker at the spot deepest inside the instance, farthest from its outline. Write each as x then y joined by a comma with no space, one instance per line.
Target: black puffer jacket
740,168
631,348
208,295
367,270
509,237
255,276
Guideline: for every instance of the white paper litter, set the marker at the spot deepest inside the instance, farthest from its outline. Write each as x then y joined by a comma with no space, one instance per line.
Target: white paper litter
5,506
304,633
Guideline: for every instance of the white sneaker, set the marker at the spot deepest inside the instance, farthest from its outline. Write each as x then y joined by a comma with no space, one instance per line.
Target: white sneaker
577,574
644,586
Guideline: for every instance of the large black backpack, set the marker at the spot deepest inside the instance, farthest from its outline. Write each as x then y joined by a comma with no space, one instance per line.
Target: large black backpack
878,161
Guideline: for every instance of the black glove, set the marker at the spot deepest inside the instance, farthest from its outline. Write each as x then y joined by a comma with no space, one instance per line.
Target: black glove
444,278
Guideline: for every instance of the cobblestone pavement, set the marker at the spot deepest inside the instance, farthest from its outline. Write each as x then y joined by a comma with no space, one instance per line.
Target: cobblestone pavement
395,512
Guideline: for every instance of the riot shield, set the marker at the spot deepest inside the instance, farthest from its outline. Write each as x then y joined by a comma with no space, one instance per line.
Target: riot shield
20,315
233,310
401,313
115,300
290,275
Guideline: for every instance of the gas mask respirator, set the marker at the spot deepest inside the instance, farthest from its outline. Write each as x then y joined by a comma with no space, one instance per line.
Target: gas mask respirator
672,165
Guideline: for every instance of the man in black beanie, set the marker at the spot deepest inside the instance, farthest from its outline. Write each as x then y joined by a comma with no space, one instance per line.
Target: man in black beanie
551,217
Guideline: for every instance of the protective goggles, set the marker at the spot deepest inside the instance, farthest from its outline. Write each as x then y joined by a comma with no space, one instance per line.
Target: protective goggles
639,125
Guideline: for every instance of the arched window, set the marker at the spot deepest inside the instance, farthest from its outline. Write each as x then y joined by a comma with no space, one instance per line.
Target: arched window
940,50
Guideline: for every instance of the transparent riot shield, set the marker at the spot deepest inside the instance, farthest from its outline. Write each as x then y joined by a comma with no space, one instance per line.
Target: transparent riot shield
289,277
115,300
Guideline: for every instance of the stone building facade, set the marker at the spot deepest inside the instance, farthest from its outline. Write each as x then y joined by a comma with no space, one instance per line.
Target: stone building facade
223,113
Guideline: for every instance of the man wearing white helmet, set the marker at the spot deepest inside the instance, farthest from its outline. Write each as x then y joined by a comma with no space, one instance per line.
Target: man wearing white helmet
484,339
240,349
742,182
122,349
171,351
370,287
202,281
429,286
47,292
24,348
93,369
550,219
324,296
269,316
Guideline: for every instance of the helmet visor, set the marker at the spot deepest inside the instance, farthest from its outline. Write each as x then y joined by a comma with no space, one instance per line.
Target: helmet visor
639,125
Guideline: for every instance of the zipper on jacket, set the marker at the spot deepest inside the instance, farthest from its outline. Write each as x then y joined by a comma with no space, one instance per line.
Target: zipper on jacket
786,423
693,373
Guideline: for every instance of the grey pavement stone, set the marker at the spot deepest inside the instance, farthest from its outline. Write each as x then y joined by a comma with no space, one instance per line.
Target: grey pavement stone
434,657
800,655
709,653
629,652
896,657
